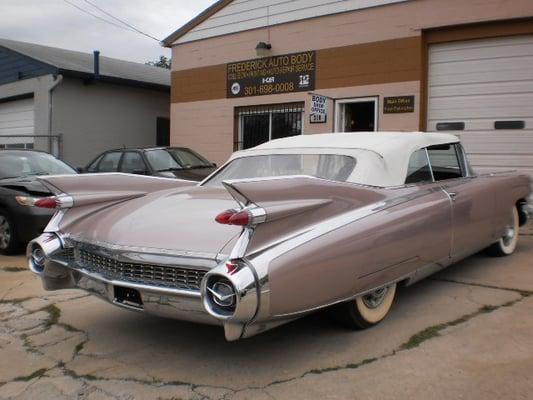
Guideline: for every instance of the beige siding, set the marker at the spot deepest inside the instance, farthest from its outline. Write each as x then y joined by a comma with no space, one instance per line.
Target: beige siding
394,21
208,126
242,15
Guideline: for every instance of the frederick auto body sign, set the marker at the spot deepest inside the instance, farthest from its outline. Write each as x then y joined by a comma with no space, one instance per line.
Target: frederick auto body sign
272,75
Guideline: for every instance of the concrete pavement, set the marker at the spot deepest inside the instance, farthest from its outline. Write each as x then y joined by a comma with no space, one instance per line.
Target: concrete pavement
464,333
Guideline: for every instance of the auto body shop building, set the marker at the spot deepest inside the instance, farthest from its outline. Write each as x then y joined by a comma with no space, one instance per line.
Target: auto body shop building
247,71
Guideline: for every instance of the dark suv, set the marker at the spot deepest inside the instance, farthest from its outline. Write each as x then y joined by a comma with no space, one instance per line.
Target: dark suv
168,162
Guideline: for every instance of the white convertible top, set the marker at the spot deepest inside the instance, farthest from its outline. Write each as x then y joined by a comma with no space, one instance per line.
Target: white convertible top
382,157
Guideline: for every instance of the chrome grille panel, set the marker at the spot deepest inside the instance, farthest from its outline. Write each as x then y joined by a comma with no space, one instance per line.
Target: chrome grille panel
174,277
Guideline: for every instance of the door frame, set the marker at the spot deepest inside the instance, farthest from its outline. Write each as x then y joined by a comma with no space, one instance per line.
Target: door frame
339,114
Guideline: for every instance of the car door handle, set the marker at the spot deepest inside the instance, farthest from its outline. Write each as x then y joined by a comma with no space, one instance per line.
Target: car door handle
453,195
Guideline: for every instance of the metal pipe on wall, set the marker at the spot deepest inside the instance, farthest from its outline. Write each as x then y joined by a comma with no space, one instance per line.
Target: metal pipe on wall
58,79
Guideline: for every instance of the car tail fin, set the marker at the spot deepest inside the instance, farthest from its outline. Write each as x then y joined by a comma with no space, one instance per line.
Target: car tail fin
285,207
269,199
79,196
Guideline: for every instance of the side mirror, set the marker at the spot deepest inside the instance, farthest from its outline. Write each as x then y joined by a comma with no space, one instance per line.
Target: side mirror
214,165
80,170
139,172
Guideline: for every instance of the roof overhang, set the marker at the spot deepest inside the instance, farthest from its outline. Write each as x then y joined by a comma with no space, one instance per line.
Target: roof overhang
90,77
193,23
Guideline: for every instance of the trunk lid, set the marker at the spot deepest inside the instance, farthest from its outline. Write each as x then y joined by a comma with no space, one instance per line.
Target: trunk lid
175,219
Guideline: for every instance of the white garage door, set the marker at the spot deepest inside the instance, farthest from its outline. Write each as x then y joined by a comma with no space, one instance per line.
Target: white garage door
16,118
482,91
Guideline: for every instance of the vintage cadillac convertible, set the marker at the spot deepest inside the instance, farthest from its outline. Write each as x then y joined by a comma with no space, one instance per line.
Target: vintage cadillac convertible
281,230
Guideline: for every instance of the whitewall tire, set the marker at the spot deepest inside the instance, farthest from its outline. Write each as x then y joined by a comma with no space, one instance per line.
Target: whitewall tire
506,245
367,310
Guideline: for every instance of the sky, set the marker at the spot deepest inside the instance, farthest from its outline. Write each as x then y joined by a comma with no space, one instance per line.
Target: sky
57,23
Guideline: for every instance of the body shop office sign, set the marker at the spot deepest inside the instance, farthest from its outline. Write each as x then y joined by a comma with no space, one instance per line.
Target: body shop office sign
272,75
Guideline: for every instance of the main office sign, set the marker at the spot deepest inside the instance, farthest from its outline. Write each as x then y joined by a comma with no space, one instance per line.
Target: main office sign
272,75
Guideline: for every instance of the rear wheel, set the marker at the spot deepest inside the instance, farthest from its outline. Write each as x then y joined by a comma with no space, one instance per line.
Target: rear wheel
9,243
506,245
367,310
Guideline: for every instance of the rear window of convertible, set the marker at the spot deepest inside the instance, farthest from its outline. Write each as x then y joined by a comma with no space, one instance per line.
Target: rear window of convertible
326,166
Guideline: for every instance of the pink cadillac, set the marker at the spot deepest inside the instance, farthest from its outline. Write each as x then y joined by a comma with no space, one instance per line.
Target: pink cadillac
281,230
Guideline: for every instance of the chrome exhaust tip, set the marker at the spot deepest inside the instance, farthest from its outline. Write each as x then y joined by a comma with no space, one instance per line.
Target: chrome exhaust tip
230,292
40,250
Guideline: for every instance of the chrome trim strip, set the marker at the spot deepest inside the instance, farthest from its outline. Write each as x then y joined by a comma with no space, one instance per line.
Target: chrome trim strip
146,255
258,215
104,174
65,201
452,221
429,165
53,224
239,250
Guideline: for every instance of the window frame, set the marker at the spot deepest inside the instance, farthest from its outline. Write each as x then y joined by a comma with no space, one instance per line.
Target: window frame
424,149
96,163
118,164
146,169
464,165
267,110
215,174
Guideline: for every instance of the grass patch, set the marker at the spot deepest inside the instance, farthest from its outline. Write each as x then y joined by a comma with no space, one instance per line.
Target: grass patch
423,335
79,347
54,313
33,375
418,338
70,328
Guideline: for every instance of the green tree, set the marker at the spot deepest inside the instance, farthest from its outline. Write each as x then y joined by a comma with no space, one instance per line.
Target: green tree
163,62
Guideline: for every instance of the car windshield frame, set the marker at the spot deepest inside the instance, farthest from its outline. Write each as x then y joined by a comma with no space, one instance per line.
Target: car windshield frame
216,180
32,163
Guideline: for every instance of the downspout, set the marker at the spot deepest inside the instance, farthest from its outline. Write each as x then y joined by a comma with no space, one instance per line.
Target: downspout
96,64
58,79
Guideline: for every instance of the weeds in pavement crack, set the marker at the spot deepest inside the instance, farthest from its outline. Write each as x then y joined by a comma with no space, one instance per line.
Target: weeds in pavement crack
524,293
430,332
414,341
13,269
54,313
33,375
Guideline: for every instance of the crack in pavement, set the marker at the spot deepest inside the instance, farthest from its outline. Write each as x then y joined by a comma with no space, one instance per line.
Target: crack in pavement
413,342
521,292
86,379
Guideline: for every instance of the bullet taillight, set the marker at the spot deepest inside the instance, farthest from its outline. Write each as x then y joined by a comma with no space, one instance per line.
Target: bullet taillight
233,217
47,202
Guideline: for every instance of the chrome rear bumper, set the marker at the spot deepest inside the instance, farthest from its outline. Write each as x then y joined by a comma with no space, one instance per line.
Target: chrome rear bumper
48,259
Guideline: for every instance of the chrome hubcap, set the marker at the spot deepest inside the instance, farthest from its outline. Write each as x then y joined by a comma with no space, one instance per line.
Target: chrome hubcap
375,298
5,233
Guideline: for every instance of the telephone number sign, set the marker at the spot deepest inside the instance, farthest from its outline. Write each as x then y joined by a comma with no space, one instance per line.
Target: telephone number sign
272,75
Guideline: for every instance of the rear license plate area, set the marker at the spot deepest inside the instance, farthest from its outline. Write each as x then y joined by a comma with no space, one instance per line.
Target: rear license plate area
128,297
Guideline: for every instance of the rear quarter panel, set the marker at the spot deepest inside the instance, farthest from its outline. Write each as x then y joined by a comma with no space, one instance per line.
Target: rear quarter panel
510,188
360,255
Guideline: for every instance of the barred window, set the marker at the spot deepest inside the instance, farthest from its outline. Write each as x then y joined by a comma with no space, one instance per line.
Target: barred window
260,124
